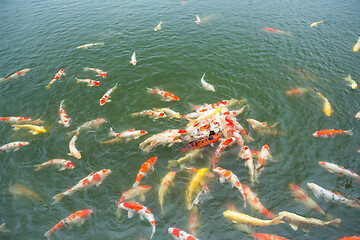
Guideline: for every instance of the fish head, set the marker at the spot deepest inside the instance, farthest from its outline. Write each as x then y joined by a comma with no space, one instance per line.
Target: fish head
294,187
85,213
311,185
353,85
100,121
321,163
152,160
42,130
103,74
143,132
69,165
105,173
315,134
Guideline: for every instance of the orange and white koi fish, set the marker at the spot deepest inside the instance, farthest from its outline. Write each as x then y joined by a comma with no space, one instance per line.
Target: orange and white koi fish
165,95
189,156
162,141
223,144
327,107
169,112
57,77
33,129
226,175
198,20
204,191
143,212
301,196
265,236
316,23
133,59
357,45
333,168
132,193
165,134
264,155
259,126
93,124
105,98
151,113
100,72
206,85
350,238
221,104
298,91
239,217
193,222
234,113
62,163
20,120
93,179
158,27
85,46
272,30
254,202
149,164
73,151
179,234
128,135
331,132
164,186
64,119
249,162
351,81
13,146
15,75
89,82
197,180
76,218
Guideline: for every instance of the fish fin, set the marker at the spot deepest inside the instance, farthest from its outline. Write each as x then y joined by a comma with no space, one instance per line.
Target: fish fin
305,230
16,127
81,222
141,216
98,183
293,226
335,222
118,213
222,180
349,132
142,197
47,86
48,234
38,167
57,198
62,168
34,132
15,149
130,214
112,133
107,100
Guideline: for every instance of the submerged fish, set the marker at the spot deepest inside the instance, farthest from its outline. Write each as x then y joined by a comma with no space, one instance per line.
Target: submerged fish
316,23
327,107
272,30
189,156
357,45
166,182
15,75
351,81
90,45
20,190
206,85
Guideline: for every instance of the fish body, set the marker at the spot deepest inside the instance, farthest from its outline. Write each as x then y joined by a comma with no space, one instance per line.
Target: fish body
20,120
98,71
331,132
144,169
316,23
221,104
258,126
89,82
198,20
351,81
298,91
326,105
197,180
20,190
76,218
143,212
73,150
57,77
133,59
93,179
165,134
165,95
133,193
224,144
201,143
357,45
249,162
85,46
206,85
151,113
166,182
179,234
13,146
350,238
64,119
129,134
272,30
162,141
15,75
333,168
169,112
301,196
254,202
193,222
234,113
105,98
205,190
265,236
190,155
264,155
238,217
93,124
158,27
33,129
62,163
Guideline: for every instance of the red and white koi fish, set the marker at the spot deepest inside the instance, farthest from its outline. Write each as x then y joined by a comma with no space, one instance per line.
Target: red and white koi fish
234,133
198,20
162,141
93,179
223,144
234,112
20,120
133,193
265,236
143,212
254,202
89,82
64,119
100,72
204,191
13,146
62,163
15,75
331,132
149,164
221,104
151,113
93,124
158,27
301,196
249,162
298,91
166,182
133,59
231,178
85,46
128,135
73,151
57,77
264,155
333,168
105,98
179,234
206,85
76,218
165,134
166,95
169,112
271,30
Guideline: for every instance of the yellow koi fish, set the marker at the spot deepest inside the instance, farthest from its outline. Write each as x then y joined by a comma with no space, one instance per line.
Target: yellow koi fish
357,45
33,129
351,81
190,155
315,23
194,183
164,186
327,107
18,189
238,217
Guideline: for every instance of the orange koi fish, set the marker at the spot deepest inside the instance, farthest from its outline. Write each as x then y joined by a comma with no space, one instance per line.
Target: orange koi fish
331,132
179,234
89,82
15,75
64,119
353,237
105,98
57,76
149,164
265,236
166,95
298,91
126,135
76,218
202,142
100,72
254,202
62,163
357,45
13,146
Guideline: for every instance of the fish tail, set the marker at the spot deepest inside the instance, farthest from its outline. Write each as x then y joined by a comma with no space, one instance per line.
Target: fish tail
69,134
349,132
118,213
136,184
58,197
48,234
2,79
16,127
101,44
150,90
153,231
172,163
335,222
112,133
277,220
38,167
135,114
48,86
77,80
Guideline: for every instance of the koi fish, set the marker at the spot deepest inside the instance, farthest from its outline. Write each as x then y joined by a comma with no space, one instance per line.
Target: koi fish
272,30
20,190
249,163
143,212
149,164
260,126
3,229
206,85
204,191
13,146
64,119
128,135
234,113
34,130
133,193
168,111
193,222
194,183
201,143
316,23
85,46
231,178
327,107
198,20
164,186
105,98
179,234
100,72
154,114
89,82
333,168
62,163
165,95
133,59
93,124
78,217
164,134
254,202
162,141
57,77
73,151
20,120
221,104
298,91
238,217
265,236
85,183
264,155
296,220
190,155
223,144
209,114
331,195
351,81
158,27
15,75
350,238
357,45
331,132
357,116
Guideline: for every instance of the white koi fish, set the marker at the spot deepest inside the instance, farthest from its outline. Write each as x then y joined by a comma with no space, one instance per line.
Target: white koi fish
316,23
238,217
57,76
73,151
351,81
206,85
33,129
128,135
62,163
89,82
133,59
158,27
100,72
169,112
64,119
154,114
333,168
105,98
254,202
13,146
164,134
85,46
15,75
260,126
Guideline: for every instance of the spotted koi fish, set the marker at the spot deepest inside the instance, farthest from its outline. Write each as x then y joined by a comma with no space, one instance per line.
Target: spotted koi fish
223,144
254,202
166,182
13,146
201,142
331,132
105,98
126,135
204,191
57,77
143,212
206,85
62,163
158,27
20,120
149,164
154,114
264,155
64,119
76,218
249,162
133,59
179,234
265,236
133,193
100,72
73,150
15,75
162,141
333,168
89,82
166,95
93,179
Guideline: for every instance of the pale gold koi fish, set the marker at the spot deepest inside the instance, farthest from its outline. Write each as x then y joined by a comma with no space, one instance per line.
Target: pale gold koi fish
238,217
316,23
20,190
